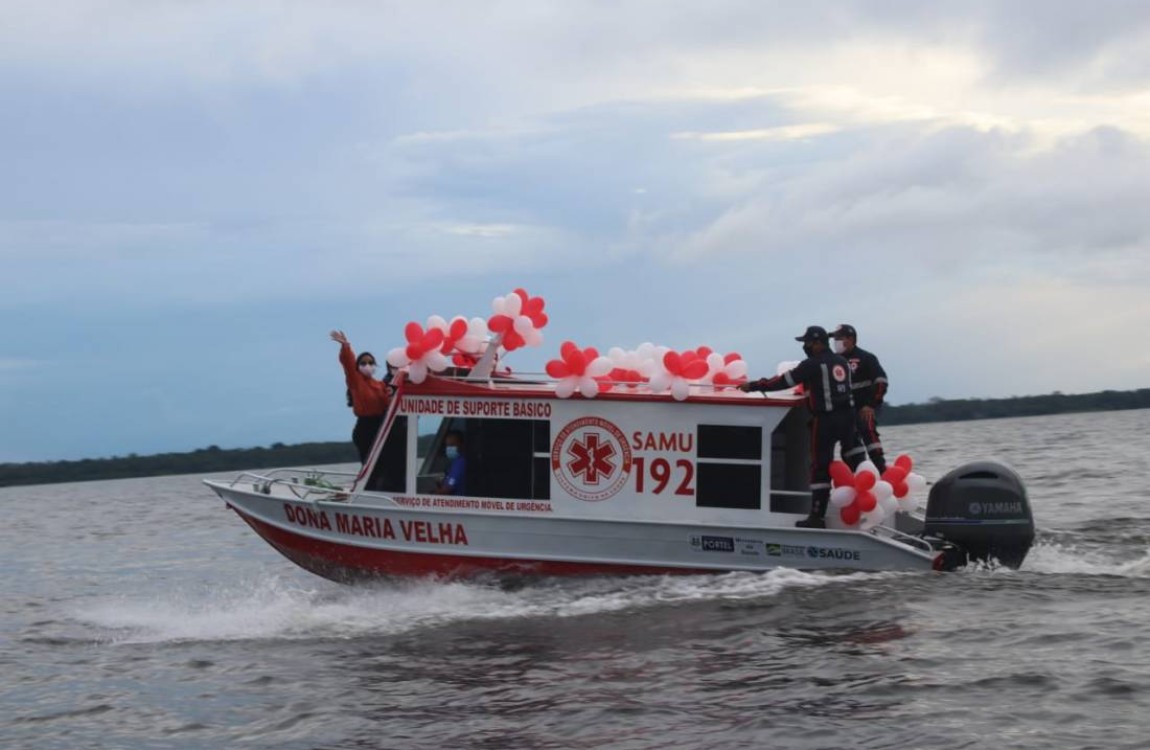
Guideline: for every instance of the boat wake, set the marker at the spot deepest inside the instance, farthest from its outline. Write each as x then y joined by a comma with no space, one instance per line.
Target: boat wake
278,608
1070,559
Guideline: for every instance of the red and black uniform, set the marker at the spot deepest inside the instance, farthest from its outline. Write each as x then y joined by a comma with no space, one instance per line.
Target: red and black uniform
826,379
868,386
369,398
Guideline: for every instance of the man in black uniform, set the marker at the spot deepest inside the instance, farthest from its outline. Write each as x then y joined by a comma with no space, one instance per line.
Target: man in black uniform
825,376
868,386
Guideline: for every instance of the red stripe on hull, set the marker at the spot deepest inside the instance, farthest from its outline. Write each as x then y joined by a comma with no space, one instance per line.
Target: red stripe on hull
347,563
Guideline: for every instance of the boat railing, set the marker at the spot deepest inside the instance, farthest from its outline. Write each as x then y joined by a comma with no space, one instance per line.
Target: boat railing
523,379
303,483
901,536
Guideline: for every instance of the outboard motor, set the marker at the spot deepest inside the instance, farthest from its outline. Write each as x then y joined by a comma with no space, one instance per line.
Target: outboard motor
982,508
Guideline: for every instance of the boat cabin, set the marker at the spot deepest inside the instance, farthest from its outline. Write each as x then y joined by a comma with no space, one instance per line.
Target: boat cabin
721,456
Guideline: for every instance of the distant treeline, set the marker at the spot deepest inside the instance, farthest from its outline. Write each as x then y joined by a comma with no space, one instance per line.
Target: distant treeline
210,460
958,410
213,459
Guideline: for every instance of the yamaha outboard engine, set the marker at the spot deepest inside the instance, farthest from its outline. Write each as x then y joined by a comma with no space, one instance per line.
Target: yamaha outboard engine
982,508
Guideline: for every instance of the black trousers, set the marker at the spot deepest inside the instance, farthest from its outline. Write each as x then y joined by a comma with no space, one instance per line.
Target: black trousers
366,428
868,434
827,430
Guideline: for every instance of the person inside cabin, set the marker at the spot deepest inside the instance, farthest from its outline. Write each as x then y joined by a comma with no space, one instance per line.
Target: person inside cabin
868,388
826,379
367,397
454,482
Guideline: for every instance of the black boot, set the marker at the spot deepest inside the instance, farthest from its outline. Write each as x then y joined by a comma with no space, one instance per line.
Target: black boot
819,500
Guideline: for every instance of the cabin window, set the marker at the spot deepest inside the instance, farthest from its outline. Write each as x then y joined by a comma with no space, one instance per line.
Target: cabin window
506,458
390,471
791,464
730,467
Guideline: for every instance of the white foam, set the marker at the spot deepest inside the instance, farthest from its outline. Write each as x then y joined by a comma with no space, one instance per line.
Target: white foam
272,608
1068,559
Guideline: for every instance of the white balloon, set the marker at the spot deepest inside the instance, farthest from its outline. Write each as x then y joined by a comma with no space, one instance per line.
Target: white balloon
843,496
418,372
600,366
660,381
565,387
533,337
680,389
882,490
646,350
497,305
436,361
889,505
617,355
715,362
437,321
588,387
737,369
915,482
523,325
512,304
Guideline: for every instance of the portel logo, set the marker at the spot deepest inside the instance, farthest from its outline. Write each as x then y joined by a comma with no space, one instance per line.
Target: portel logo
591,459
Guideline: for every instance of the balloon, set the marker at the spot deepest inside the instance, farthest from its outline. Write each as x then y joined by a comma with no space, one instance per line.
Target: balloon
894,474
842,496
841,474
866,501
680,389
850,514
868,467
864,481
883,489
915,482
905,462
901,489
889,505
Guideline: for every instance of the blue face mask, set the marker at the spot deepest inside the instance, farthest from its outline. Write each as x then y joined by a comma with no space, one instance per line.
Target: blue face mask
452,452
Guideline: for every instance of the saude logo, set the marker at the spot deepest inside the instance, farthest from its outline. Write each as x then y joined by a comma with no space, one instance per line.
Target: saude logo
834,553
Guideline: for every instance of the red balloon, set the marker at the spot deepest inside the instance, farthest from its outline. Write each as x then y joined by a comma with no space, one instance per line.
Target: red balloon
733,356
864,481
432,339
905,462
557,368
695,369
576,361
414,351
413,332
866,501
901,490
566,349
500,323
850,514
894,474
841,474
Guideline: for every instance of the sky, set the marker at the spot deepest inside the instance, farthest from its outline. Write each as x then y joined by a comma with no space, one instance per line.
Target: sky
194,194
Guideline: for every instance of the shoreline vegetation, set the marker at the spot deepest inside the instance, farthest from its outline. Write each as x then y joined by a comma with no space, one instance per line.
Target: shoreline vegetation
215,460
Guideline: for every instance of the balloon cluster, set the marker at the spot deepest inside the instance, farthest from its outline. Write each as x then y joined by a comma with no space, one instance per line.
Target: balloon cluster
580,370
422,353
864,499
660,368
518,320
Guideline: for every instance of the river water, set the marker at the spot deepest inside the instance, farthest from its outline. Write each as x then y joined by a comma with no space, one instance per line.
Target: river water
143,614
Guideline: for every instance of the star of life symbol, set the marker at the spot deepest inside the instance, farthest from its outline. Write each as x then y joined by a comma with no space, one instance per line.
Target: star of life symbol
591,459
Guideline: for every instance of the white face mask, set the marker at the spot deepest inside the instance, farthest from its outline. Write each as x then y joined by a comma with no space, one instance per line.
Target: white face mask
840,346
367,370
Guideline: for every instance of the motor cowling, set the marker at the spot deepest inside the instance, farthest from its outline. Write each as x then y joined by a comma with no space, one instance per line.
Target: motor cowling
982,507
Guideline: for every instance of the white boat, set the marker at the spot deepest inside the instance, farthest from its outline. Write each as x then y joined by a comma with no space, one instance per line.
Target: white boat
627,482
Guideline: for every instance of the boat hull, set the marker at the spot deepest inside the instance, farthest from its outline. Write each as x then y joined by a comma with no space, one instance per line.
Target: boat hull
365,537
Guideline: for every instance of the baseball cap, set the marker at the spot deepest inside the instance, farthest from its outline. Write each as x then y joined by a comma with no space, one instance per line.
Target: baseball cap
844,331
813,333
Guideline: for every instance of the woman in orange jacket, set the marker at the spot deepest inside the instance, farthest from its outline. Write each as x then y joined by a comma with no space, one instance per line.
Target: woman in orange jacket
366,396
